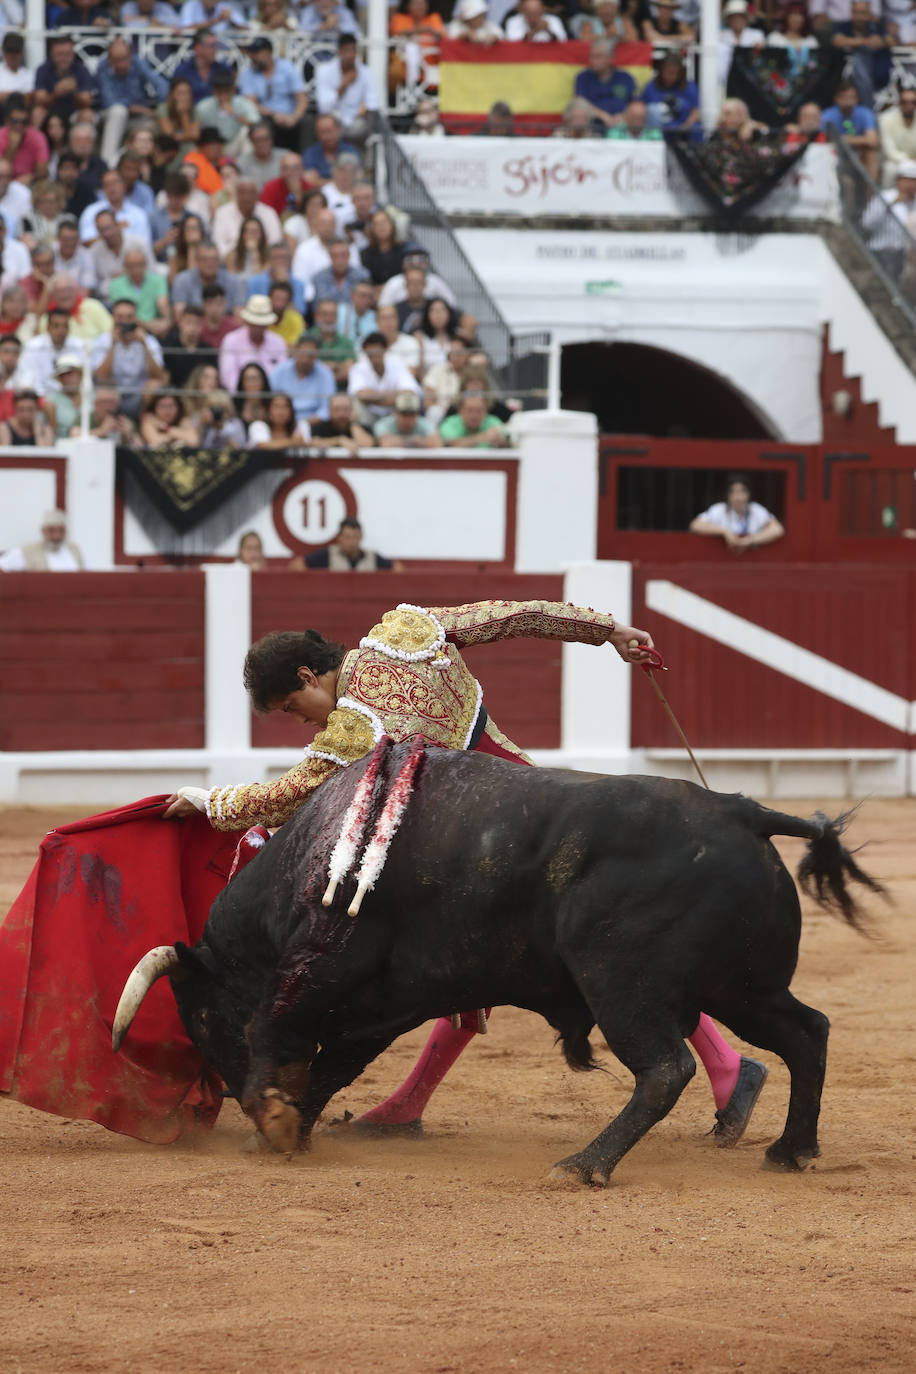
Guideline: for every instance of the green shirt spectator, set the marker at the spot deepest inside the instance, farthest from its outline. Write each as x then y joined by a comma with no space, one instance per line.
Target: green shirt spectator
146,294
473,427
634,126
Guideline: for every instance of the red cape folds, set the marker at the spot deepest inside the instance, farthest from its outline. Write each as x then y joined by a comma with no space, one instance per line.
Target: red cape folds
103,892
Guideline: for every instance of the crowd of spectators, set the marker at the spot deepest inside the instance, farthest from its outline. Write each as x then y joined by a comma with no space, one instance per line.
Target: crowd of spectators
206,253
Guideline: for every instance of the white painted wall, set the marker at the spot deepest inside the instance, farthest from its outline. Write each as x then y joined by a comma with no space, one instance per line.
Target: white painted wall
750,308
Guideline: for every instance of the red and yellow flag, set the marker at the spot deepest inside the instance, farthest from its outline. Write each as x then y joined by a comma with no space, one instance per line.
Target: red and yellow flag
534,79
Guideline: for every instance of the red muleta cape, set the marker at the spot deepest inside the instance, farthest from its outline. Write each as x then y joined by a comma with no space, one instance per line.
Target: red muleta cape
103,892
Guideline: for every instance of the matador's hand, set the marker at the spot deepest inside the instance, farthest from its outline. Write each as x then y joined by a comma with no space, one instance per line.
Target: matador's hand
633,654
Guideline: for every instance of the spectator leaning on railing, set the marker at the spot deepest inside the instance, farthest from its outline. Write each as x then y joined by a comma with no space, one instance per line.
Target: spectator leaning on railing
532,24
635,124
344,87
737,32
855,125
277,89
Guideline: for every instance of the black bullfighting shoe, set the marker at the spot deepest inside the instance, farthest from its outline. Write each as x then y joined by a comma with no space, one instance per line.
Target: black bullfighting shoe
732,1119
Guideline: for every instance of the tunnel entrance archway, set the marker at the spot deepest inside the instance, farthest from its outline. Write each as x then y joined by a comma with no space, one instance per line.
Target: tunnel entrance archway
637,389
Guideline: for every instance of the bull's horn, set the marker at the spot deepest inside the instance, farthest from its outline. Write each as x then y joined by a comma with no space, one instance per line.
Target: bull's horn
152,966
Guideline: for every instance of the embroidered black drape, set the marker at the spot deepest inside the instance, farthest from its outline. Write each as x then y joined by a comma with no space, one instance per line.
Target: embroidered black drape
774,87
733,176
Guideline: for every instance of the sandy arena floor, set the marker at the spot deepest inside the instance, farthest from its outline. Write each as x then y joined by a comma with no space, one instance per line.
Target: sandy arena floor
453,1255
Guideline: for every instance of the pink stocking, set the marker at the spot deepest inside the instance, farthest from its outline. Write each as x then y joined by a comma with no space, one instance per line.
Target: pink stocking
718,1058
408,1102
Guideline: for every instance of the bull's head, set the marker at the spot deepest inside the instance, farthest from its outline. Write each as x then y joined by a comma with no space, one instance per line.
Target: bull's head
208,1010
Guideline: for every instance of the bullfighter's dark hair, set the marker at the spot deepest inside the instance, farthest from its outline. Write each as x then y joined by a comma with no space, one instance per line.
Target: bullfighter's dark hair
272,664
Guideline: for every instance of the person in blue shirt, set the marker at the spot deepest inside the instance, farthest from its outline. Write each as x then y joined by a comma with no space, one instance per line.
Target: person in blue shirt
279,267
214,15
198,69
855,125
320,156
149,14
129,89
307,381
606,89
63,84
673,101
278,90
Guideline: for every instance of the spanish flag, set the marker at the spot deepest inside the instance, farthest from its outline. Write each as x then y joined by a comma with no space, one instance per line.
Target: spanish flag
535,79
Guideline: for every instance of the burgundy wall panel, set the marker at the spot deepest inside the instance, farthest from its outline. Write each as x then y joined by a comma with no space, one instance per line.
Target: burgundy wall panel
858,617
102,661
520,678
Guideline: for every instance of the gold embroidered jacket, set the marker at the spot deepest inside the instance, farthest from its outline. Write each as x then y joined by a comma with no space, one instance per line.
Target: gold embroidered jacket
406,678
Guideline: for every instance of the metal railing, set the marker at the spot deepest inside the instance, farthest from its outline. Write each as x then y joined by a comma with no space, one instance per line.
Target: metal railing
165,51
886,239
400,184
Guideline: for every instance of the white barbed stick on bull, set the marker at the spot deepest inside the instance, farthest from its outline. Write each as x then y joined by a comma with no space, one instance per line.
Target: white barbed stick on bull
388,822
343,855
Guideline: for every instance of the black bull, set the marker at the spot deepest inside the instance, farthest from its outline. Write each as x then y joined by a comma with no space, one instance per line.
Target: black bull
632,903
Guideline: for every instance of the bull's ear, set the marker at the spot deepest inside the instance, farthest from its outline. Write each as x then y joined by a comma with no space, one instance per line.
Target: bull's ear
197,960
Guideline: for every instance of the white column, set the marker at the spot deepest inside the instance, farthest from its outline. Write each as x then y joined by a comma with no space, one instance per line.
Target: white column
377,55
35,22
710,92
91,499
595,717
557,516
228,637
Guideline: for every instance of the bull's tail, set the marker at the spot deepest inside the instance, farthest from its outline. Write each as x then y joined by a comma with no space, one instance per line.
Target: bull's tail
827,865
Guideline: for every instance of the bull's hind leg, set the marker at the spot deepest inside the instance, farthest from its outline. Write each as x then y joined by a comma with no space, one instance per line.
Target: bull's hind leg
798,1034
662,1066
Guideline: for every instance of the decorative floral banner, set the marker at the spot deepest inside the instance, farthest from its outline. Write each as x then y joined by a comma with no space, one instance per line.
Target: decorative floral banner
774,83
732,176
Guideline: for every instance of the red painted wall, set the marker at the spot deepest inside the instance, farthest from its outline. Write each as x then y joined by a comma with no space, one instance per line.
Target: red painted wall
834,498
520,678
102,661
860,618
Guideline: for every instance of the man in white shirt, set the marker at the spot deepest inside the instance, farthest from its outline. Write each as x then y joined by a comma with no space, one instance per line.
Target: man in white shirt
344,87
228,220
837,11
375,379
313,255
129,216
70,255
109,250
402,347
395,291
15,198
51,554
15,262
736,33
533,25
338,192
15,76
897,127
40,355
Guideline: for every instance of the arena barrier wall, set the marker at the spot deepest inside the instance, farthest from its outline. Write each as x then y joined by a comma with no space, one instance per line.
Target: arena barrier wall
801,682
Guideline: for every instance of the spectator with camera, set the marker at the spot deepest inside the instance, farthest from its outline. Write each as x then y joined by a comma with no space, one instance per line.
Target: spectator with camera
129,357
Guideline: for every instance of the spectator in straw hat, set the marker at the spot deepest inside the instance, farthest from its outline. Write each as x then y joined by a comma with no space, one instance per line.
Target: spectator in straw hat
52,553
254,342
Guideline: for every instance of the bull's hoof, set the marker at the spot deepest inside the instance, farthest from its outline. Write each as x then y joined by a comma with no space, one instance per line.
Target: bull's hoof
279,1121
576,1171
781,1158
731,1121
